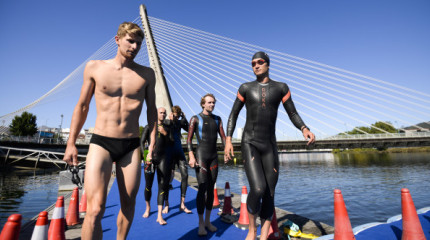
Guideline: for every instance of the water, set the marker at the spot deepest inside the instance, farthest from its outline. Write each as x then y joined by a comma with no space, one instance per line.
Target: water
370,183
27,192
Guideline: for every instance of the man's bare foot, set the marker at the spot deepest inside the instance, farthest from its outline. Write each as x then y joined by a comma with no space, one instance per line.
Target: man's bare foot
161,221
202,230
185,209
165,210
211,227
146,214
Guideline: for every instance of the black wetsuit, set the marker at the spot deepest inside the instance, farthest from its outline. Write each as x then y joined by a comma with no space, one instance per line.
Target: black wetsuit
259,149
177,153
162,163
206,128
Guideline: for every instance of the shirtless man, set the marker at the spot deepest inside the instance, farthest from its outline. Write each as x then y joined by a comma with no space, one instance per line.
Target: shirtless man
259,151
120,86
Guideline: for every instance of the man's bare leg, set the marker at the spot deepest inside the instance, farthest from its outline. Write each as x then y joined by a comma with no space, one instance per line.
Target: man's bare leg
147,210
265,228
160,218
128,177
97,175
208,223
252,231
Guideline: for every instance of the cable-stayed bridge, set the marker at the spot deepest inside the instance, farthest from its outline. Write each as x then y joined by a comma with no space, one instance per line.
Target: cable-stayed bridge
329,99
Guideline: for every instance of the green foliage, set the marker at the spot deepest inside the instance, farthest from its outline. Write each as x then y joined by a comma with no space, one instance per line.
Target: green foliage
24,125
387,126
141,131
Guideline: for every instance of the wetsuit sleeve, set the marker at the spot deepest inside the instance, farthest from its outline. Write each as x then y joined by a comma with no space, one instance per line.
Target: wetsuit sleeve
288,103
221,132
144,138
194,122
184,124
237,106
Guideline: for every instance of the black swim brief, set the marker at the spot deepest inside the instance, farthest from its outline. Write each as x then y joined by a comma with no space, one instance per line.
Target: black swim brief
117,147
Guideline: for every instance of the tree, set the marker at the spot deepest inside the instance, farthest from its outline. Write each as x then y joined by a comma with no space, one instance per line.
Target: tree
386,126
24,125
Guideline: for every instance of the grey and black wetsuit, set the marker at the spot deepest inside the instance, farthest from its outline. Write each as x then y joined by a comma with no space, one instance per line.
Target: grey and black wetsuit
259,150
162,163
206,128
177,153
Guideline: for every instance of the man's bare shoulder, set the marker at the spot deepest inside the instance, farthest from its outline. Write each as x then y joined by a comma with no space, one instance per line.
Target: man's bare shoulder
94,64
145,72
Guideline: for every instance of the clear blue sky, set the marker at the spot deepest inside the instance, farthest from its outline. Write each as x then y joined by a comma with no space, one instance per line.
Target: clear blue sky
43,41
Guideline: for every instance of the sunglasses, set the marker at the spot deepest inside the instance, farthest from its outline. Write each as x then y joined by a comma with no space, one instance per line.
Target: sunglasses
259,62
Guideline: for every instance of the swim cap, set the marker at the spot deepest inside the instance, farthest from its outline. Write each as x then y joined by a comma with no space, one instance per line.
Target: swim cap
262,55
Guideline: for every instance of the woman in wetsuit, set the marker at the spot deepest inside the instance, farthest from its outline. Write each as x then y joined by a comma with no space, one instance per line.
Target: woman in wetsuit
206,126
175,122
161,162
259,150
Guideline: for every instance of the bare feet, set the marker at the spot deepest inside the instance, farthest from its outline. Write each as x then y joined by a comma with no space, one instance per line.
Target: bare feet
211,227
146,214
161,221
165,210
202,230
185,209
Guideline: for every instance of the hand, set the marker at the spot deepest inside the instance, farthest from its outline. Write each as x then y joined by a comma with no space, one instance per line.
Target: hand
228,150
71,155
149,156
161,130
308,135
192,162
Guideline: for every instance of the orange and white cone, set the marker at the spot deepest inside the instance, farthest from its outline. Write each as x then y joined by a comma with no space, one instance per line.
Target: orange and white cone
342,225
83,203
58,223
243,222
72,217
11,228
40,231
412,228
274,232
216,200
227,210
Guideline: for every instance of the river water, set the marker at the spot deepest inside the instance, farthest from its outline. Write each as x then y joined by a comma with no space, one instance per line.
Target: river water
370,185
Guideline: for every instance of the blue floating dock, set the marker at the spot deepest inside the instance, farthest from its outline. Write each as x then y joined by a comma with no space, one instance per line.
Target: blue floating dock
179,224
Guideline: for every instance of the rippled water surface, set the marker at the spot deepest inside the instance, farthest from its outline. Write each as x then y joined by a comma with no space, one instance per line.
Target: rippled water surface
27,192
370,183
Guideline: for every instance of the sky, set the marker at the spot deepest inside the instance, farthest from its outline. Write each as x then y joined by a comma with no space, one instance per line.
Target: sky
44,41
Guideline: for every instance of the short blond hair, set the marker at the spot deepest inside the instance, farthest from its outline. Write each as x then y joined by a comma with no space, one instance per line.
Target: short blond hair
203,100
129,28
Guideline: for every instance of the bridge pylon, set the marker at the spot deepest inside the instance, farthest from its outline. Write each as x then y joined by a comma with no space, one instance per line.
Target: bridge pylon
161,90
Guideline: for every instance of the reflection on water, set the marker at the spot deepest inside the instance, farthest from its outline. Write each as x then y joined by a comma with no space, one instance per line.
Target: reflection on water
370,183
26,192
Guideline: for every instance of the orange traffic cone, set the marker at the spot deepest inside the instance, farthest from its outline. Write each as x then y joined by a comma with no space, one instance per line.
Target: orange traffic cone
412,228
274,232
227,209
342,225
57,227
40,231
83,203
72,217
243,222
11,228
216,200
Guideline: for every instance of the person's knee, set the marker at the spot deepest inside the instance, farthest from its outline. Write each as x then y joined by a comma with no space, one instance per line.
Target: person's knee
95,211
258,191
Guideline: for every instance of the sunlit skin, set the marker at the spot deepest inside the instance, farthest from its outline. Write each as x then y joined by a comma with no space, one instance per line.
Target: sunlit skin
261,70
119,86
